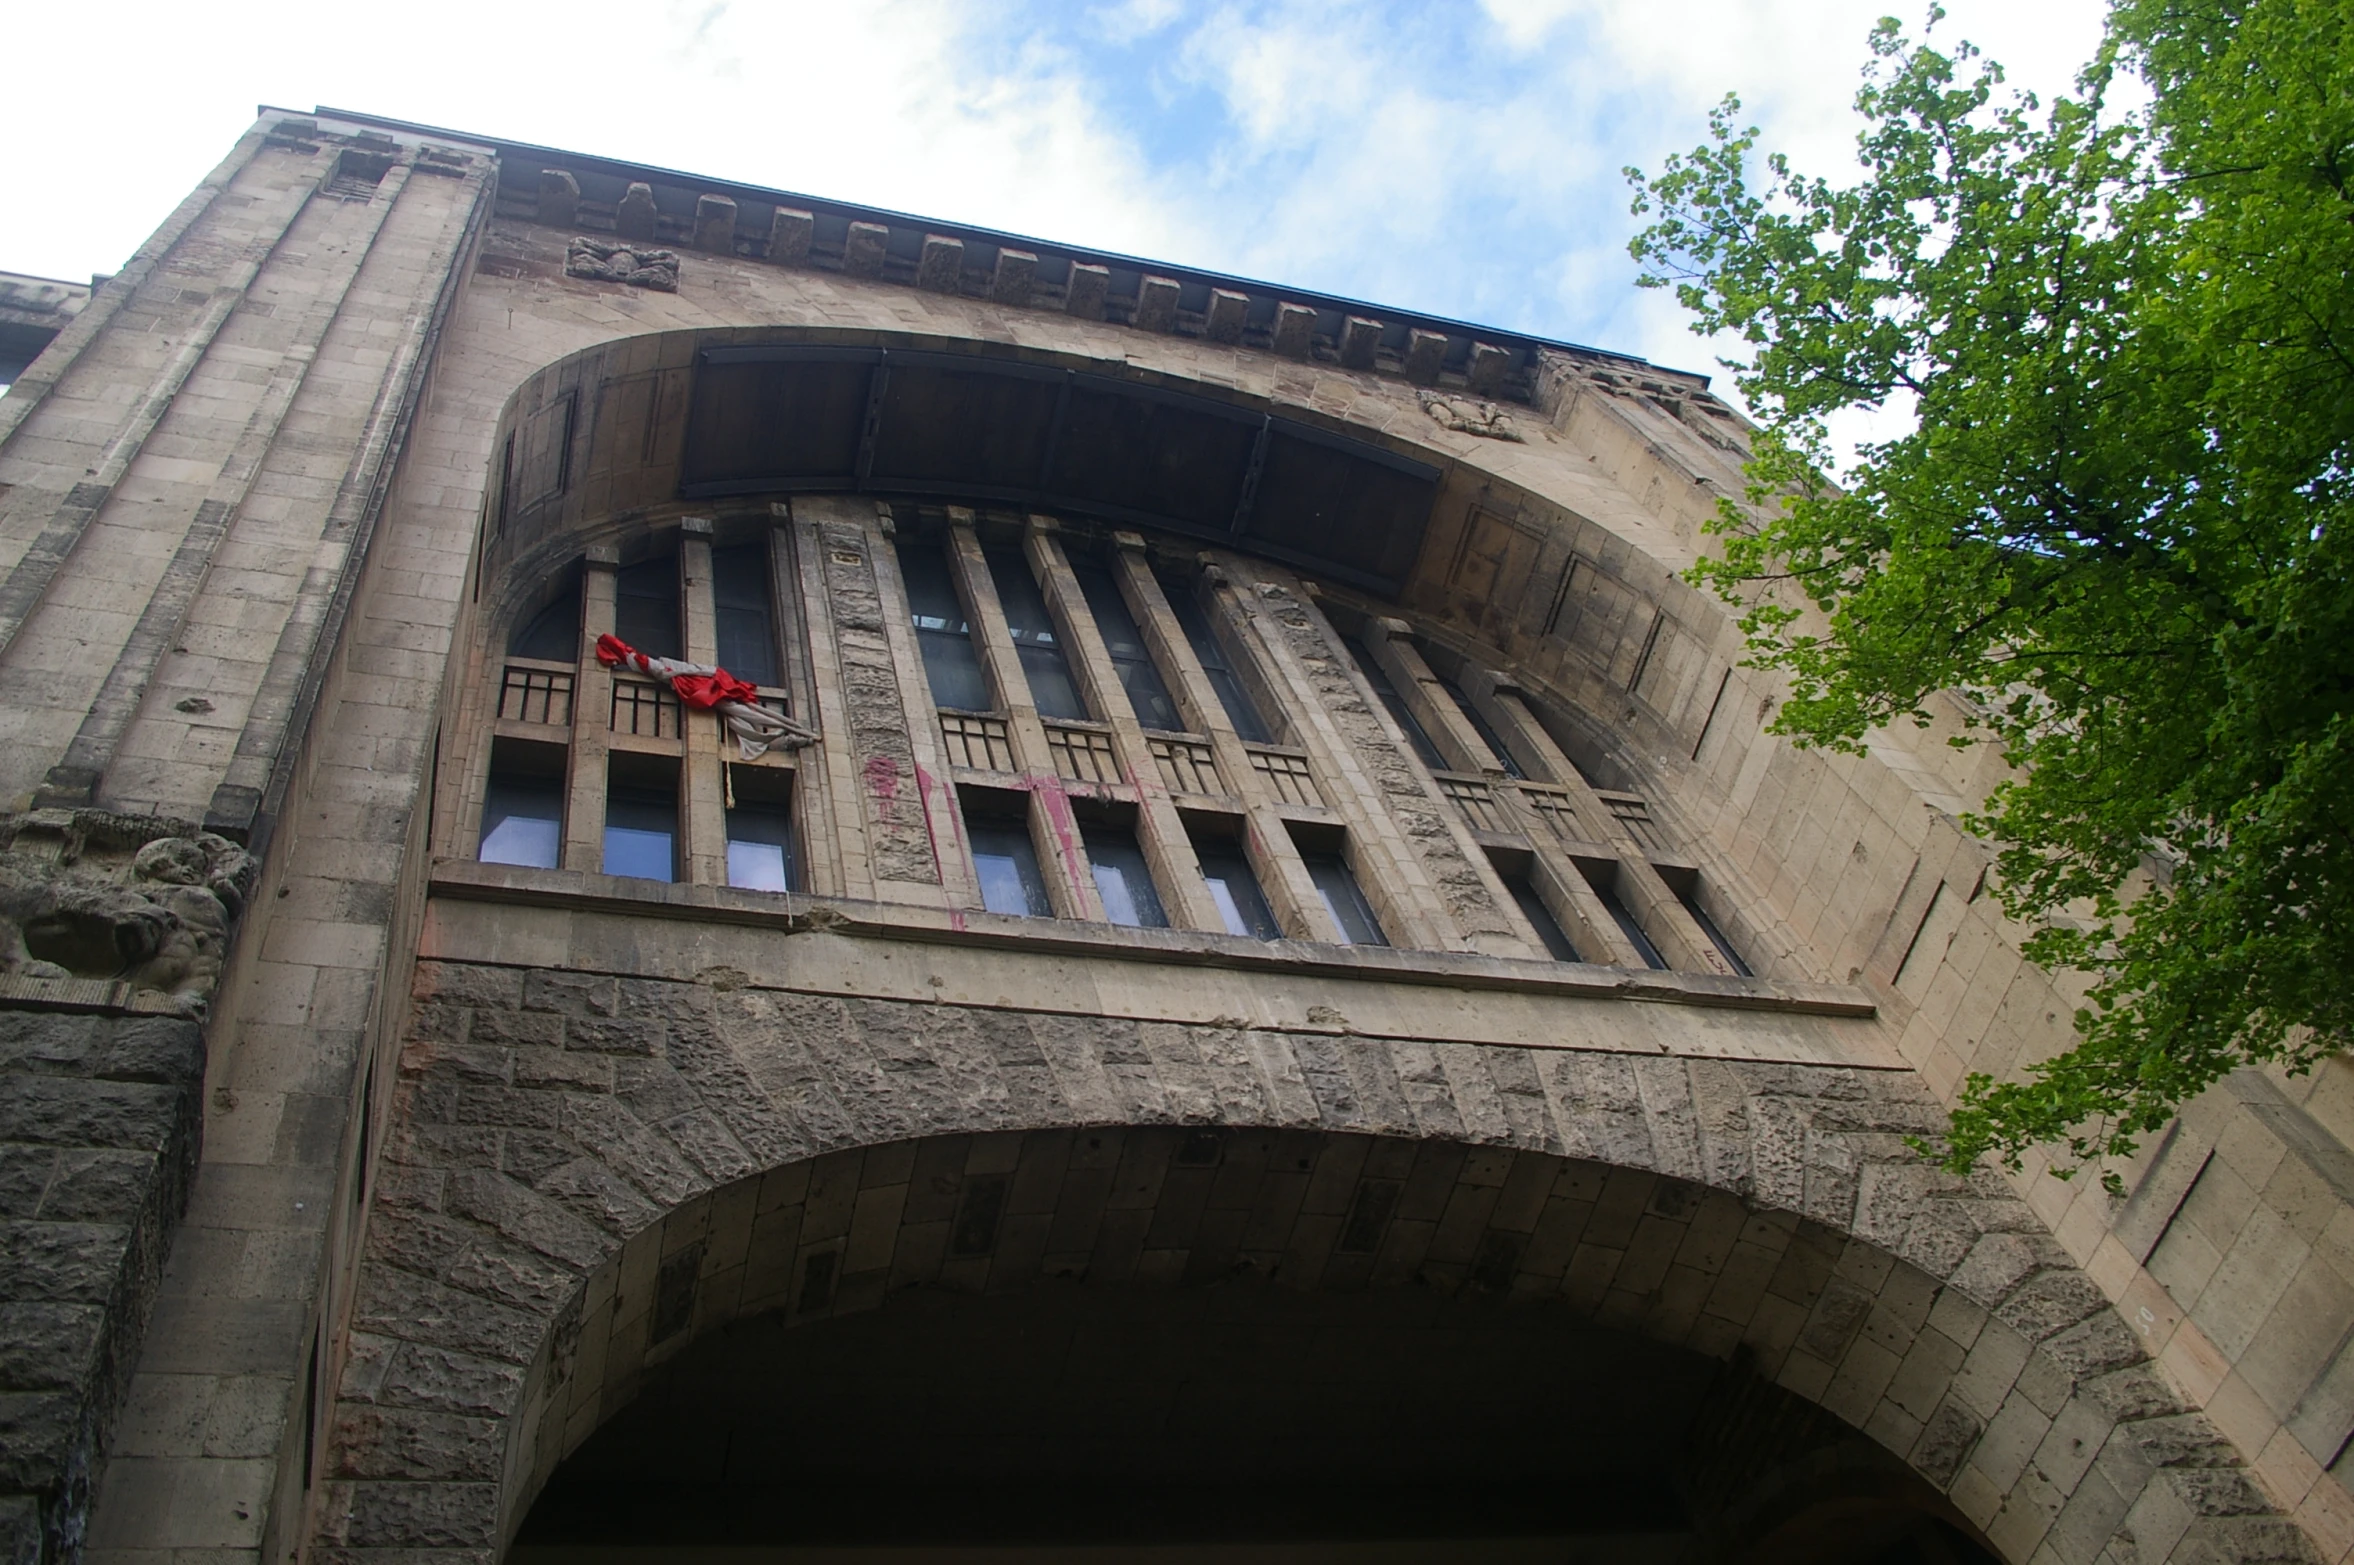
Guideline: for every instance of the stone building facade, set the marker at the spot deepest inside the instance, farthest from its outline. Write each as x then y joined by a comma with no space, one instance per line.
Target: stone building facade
1259,987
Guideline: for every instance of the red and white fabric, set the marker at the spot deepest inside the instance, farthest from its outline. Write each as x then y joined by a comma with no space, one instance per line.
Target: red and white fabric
710,688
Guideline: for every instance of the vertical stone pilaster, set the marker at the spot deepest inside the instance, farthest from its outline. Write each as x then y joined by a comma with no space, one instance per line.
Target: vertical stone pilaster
584,802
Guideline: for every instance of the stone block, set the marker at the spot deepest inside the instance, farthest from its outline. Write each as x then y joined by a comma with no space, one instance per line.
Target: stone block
865,249
559,198
1358,338
1011,279
1084,296
634,217
1156,305
941,268
1295,331
715,224
789,235
1426,353
1226,316
1485,373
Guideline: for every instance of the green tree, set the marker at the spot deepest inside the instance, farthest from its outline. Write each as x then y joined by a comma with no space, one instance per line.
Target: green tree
2122,527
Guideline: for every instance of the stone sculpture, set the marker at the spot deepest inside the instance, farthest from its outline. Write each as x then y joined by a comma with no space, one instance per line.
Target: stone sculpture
604,263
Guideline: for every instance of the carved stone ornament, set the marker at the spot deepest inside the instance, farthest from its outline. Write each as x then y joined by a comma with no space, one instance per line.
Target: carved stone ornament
604,263
128,899
1466,416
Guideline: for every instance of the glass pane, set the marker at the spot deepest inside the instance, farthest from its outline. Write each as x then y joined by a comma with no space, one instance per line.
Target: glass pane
1123,881
1628,927
1008,869
641,834
1236,891
1148,694
1241,711
760,848
1342,899
552,633
1716,936
522,822
1481,726
747,631
1541,917
951,665
1052,690
1379,679
645,609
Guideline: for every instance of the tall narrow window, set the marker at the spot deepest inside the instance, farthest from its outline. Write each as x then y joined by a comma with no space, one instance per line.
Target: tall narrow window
645,607
760,845
1379,679
1540,917
1241,904
951,664
1007,865
1689,896
1606,888
745,623
523,808
1481,726
553,633
1344,900
1122,879
1052,690
1147,692
1241,711
641,819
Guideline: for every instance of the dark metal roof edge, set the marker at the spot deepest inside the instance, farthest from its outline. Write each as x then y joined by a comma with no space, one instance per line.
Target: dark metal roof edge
859,211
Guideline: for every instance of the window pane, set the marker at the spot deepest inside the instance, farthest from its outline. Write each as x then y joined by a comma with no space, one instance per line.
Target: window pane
1147,692
760,848
1342,899
522,822
1716,936
641,834
1380,681
1241,711
1052,690
1628,927
1236,891
747,630
1548,928
1123,881
1481,726
1008,869
645,608
552,633
951,665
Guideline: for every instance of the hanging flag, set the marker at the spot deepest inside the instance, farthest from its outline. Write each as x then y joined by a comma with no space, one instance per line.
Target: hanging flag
709,688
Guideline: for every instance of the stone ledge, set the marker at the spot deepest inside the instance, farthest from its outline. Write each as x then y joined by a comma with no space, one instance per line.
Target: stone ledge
794,912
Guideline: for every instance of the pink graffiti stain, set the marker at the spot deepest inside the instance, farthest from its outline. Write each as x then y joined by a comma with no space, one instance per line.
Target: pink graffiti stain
882,780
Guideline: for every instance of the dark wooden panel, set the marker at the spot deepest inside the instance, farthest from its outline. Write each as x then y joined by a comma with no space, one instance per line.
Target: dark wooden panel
785,421
1141,454
976,426
1360,509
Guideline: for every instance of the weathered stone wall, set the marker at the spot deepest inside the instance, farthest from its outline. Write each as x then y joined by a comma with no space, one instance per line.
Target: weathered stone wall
98,1144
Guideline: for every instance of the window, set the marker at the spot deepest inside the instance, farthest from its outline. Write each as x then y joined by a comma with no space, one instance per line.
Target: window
1052,690
1689,895
1607,889
951,664
1122,879
641,818
1379,679
523,809
760,847
1241,904
1481,726
1147,692
553,633
1241,711
645,608
1007,864
1540,917
1344,901
746,627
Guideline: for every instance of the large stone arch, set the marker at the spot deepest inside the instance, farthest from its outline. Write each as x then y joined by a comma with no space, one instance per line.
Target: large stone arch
565,1138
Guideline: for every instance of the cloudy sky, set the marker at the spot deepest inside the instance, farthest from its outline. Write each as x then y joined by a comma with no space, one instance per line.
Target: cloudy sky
1455,157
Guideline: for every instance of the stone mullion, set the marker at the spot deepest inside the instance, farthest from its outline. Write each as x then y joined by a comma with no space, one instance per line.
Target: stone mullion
800,611
592,716
936,796
1070,884
1391,643
702,789
836,859
461,775
1661,913
1160,831
1291,895
1387,867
